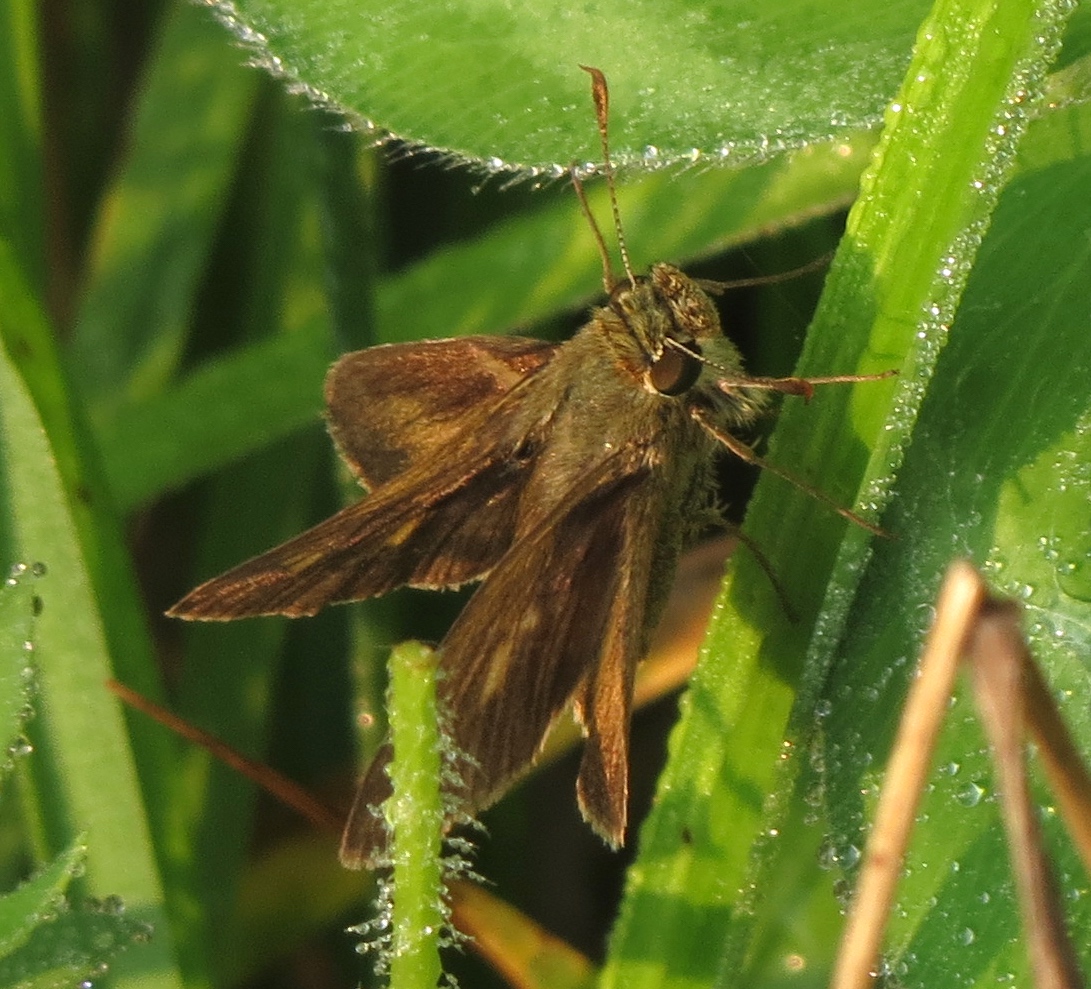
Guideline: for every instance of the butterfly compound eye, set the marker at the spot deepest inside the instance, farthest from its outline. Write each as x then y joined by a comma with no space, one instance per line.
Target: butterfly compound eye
676,371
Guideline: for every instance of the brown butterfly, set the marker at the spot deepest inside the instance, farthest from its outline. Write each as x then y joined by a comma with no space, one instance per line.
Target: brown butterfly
567,478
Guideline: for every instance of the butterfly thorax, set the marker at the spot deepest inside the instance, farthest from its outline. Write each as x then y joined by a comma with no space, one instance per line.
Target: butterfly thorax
617,400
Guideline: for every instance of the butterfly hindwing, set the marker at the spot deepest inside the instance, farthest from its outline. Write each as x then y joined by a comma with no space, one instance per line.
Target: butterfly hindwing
504,682
604,702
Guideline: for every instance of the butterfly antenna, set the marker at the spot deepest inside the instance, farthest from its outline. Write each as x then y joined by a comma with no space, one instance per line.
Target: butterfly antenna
608,280
600,93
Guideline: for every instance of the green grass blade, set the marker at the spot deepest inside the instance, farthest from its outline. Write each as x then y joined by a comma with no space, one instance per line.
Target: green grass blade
21,198
17,672
82,775
997,473
156,223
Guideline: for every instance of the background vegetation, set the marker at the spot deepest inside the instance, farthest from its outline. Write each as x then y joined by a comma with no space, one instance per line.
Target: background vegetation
186,243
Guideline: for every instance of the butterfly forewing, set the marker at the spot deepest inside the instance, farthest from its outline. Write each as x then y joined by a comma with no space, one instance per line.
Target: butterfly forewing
397,406
372,547
441,519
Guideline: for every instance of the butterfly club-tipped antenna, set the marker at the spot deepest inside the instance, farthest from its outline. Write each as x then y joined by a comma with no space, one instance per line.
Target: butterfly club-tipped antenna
600,94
